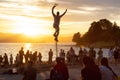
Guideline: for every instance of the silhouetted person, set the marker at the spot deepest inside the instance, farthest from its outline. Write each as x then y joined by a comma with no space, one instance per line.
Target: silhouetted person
30,73
27,55
106,71
35,56
68,56
1,59
56,22
59,71
100,55
11,59
72,55
110,54
40,57
92,53
80,55
17,60
21,54
91,71
5,59
116,55
63,55
50,56
60,54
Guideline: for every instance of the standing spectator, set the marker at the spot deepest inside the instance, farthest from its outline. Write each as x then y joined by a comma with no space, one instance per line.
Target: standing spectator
31,56
106,71
5,60
34,56
17,61
21,54
91,71
80,55
110,54
68,56
100,55
92,53
63,55
72,55
85,52
1,59
40,57
11,59
50,56
116,55
30,73
60,54
27,55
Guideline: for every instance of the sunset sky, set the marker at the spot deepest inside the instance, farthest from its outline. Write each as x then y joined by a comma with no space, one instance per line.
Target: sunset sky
33,17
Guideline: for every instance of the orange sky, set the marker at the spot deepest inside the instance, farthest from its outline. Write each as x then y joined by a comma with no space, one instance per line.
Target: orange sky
33,17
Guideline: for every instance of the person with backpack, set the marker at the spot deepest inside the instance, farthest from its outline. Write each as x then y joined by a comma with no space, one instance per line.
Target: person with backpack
106,71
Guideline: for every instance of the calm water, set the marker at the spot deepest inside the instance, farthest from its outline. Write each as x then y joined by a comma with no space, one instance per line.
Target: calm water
13,48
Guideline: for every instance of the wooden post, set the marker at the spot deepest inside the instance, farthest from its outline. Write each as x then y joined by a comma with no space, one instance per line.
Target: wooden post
56,48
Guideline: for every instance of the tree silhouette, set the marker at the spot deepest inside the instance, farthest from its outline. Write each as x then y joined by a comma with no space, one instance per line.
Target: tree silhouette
76,37
102,30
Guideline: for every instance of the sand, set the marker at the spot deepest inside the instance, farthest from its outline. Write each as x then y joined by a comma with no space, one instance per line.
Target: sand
74,72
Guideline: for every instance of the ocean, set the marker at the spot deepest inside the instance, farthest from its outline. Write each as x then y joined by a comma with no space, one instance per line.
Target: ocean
13,48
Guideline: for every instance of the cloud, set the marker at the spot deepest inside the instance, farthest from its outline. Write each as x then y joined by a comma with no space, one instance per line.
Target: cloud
75,8
78,10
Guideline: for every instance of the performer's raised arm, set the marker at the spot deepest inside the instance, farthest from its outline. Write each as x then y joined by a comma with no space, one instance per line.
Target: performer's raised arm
53,10
63,13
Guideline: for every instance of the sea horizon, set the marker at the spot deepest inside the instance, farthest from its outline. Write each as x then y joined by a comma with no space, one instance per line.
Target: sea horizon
13,48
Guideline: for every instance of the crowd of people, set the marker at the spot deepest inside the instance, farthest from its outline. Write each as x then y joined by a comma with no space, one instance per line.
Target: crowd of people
99,66
4,61
94,68
70,56
20,58
90,71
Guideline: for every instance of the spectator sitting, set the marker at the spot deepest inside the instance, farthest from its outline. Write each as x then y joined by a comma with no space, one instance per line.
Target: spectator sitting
106,71
59,71
91,71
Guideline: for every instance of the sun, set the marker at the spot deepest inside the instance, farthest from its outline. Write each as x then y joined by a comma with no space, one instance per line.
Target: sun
30,31
30,27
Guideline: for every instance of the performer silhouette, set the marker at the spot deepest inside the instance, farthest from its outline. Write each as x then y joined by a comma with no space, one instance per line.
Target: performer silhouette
56,23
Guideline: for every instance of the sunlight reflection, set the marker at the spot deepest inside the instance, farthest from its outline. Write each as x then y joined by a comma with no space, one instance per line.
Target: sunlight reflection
28,46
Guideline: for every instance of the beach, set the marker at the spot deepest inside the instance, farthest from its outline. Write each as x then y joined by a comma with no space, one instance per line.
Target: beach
34,33
44,68
44,71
